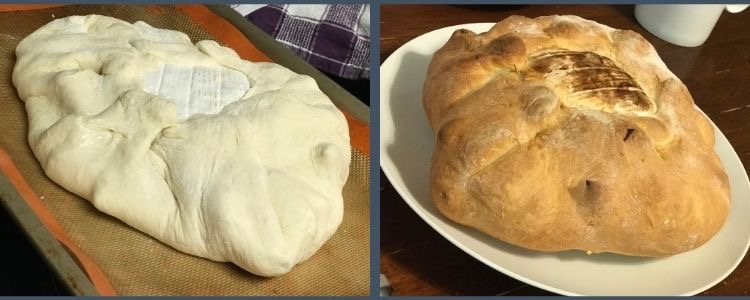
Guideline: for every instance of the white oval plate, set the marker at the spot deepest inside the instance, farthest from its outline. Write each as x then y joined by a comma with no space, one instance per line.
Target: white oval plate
406,142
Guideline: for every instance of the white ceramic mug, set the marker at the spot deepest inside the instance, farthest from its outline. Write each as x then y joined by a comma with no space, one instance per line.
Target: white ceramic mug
687,25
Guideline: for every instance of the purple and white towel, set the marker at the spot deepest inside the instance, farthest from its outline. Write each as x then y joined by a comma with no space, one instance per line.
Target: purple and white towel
333,38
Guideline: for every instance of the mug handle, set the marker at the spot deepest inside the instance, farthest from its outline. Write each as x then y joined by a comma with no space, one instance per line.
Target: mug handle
735,8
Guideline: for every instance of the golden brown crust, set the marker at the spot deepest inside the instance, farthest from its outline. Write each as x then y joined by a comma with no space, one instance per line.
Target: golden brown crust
560,133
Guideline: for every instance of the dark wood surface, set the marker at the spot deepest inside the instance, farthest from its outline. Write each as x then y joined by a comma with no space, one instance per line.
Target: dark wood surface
418,261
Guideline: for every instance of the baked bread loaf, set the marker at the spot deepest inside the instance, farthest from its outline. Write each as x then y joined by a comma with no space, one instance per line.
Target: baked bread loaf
560,133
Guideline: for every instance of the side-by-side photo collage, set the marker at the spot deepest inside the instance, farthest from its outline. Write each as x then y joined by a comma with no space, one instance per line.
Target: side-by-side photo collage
374,149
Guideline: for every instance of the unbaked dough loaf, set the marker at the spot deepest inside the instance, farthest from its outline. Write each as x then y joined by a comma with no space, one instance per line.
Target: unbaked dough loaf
215,156
560,133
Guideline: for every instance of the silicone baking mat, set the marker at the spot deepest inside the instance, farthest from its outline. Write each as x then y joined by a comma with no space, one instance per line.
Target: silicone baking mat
121,260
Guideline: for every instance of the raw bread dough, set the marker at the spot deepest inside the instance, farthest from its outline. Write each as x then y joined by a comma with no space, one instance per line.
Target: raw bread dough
215,156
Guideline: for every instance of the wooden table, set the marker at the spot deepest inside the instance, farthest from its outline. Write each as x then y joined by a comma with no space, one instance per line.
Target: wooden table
418,261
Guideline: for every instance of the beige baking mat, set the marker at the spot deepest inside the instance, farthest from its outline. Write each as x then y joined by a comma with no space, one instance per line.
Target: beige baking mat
136,264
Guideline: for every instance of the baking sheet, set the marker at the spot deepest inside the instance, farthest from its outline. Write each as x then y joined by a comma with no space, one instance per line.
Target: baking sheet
136,264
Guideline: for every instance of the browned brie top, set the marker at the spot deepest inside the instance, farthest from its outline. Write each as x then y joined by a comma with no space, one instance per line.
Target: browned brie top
592,81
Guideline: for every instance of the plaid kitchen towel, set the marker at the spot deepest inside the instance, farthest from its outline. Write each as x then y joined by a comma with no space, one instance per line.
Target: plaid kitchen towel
333,38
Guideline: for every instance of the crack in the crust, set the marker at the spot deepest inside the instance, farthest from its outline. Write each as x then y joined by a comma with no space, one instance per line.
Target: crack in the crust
462,98
612,88
596,68
628,133
499,157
